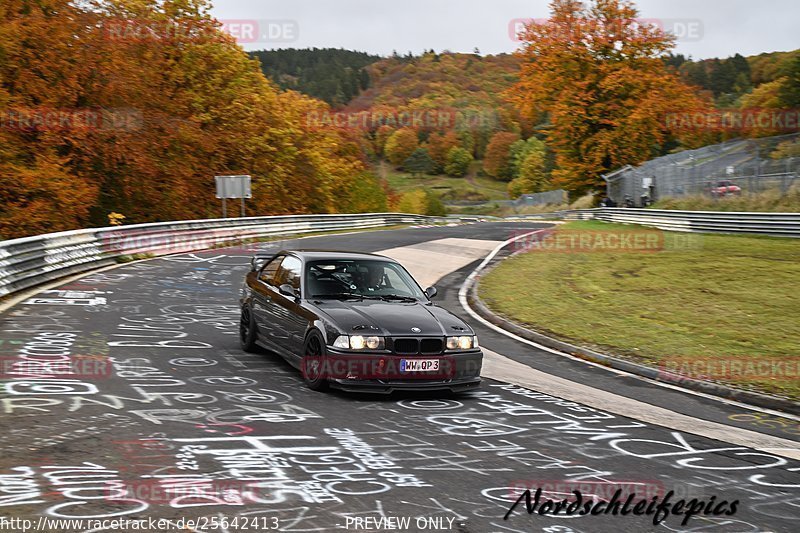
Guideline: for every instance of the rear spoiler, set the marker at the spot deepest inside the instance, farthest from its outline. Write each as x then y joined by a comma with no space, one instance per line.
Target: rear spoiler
259,260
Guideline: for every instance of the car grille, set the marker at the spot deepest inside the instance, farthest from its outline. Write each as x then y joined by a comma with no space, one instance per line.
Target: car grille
430,346
412,346
406,346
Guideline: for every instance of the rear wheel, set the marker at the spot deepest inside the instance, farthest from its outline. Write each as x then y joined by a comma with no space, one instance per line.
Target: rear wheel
247,330
313,365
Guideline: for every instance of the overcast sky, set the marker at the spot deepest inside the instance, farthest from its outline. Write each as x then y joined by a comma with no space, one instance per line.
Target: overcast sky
706,28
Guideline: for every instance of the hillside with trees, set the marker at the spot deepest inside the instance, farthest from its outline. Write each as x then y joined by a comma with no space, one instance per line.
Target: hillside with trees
330,74
562,111
466,95
731,80
466,90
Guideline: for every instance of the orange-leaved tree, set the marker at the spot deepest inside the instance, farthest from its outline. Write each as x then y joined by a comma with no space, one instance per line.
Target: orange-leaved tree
594,74
171,101
439,145
497,161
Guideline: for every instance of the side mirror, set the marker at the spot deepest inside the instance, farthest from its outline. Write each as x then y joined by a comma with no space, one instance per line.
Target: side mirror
253,264
431,292
287,290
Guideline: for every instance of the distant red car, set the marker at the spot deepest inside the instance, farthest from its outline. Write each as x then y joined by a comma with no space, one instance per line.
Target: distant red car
724,188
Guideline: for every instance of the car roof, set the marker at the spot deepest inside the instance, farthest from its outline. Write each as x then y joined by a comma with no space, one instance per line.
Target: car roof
317,255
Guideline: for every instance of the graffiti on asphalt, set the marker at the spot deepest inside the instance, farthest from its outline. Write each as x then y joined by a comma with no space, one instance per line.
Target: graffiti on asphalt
185,421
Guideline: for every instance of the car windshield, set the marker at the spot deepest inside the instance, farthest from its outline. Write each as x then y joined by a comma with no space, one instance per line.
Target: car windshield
356,278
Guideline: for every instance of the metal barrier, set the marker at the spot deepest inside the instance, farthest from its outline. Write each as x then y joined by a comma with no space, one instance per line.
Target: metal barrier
32,261
777,224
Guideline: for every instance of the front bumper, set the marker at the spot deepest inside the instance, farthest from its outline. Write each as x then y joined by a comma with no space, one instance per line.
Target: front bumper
388,388
458,372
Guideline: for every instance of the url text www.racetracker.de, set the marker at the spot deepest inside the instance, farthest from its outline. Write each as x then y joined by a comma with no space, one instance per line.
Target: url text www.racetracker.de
148,525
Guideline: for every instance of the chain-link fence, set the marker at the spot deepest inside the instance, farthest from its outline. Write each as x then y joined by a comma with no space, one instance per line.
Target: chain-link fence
739,166
557,197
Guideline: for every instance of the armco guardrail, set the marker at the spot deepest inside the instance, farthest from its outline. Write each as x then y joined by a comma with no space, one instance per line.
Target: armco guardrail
777,224
31,261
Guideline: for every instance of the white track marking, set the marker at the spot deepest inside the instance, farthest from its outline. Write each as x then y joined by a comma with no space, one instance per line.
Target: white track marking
501,368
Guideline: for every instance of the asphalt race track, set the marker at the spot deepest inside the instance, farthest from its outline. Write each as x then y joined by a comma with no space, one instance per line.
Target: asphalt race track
183,425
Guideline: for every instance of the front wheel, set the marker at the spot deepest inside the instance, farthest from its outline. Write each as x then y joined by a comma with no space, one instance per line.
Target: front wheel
247,331
313,366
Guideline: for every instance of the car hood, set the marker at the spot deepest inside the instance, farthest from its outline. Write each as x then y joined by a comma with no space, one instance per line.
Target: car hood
391,318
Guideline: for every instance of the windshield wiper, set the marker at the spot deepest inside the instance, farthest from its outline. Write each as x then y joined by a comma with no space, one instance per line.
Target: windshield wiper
351,295
339,295
398,297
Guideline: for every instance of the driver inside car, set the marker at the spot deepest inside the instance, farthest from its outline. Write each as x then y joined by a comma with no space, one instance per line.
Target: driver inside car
370,277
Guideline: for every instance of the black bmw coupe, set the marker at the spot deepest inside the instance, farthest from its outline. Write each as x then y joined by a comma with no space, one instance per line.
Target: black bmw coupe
355,321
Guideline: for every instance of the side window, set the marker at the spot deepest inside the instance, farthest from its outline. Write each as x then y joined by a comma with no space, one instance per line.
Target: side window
267,274
289,272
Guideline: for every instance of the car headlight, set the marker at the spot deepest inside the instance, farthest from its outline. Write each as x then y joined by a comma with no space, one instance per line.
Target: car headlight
359,342
465,342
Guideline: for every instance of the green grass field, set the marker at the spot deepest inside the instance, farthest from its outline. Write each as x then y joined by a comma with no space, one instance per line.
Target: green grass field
468,188
726,298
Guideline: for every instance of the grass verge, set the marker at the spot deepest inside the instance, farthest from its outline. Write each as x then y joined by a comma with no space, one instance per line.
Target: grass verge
700,309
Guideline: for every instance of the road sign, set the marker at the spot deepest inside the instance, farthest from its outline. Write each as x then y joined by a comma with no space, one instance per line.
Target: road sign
233,186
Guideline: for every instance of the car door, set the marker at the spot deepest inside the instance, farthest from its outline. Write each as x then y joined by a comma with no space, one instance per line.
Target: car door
263,306
291,319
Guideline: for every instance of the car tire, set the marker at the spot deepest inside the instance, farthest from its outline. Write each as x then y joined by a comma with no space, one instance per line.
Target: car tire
313,362
247,331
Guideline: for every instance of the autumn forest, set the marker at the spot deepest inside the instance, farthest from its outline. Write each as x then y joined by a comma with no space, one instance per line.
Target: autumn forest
129,108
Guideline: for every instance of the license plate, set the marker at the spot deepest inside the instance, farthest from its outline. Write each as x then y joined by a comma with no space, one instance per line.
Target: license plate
419,365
